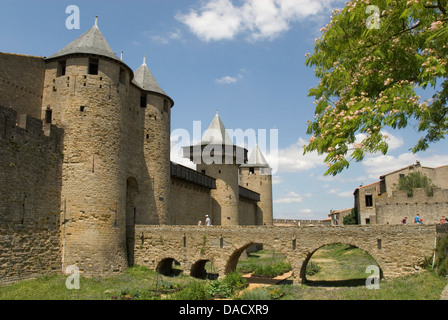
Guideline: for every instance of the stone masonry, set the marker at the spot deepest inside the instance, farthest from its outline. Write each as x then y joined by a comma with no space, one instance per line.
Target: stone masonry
397,249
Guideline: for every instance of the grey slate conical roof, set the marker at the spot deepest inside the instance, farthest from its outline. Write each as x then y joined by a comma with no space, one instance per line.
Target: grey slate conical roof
257,159
216,133
91,42
144,78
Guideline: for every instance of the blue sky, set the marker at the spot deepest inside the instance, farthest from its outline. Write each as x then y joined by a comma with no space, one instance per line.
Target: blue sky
245,58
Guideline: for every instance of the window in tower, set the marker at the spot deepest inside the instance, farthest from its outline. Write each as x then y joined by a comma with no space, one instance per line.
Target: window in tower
143,101
122,78
93,66
251,170
62,68
165,105
48,115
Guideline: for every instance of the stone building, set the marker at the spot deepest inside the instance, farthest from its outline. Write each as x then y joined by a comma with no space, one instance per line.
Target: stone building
368,198
85,157
336,217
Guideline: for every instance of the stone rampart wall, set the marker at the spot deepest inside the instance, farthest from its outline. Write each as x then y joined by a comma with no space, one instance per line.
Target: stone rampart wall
391,210
21,83
30,192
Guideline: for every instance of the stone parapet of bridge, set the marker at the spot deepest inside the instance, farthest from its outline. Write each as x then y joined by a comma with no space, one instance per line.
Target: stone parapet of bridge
397,249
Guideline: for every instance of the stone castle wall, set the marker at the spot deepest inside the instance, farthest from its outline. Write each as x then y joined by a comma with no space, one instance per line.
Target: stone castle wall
30,193
189,203
21,83
391,210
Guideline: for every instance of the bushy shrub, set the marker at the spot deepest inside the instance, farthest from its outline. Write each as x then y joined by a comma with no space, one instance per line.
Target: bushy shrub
196,290
256,294
312,268
219,289
234,280
442,256
272,270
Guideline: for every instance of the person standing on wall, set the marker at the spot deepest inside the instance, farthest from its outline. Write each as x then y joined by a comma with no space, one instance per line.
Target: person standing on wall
207,221
418,220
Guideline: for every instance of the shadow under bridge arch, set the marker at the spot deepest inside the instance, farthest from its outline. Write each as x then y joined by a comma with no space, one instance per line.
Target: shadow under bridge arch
339,265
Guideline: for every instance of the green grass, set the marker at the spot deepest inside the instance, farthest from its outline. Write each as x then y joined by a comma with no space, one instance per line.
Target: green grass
264,263
340,262
137,282
423,286
338,265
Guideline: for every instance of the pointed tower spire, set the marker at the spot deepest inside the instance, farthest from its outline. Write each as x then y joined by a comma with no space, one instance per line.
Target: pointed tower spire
145,79
91,42
216,133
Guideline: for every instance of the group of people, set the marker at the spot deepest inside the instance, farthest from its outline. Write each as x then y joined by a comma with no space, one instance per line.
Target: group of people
207,221
419,220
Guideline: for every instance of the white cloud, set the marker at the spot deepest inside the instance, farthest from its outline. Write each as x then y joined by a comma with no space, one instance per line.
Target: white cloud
226,80
260,19
346,194
379,165
277,180
290,197
166,38
306,211
291,159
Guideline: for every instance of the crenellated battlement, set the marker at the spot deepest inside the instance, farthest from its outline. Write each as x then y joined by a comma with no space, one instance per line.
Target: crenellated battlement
16,127
391,210
418,195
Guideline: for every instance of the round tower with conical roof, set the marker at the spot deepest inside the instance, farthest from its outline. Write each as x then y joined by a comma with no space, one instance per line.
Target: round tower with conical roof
256,175
157,125
86,94
217,157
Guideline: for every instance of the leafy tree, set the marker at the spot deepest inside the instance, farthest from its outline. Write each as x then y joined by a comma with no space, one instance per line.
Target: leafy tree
370,66
442,256
351,219
415,180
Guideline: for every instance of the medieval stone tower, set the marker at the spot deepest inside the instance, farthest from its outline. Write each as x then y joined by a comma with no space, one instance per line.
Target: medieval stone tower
257,176
217,157
109,115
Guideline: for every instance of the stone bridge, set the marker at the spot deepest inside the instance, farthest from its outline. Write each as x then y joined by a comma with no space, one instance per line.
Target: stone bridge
397,249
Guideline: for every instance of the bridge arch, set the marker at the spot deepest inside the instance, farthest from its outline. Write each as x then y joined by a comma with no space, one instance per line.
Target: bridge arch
315,249
165,267
234,257
198,270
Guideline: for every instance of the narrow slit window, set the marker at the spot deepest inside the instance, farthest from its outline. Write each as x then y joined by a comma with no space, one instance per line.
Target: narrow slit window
62,68
93,66
122,77
143,101
48,115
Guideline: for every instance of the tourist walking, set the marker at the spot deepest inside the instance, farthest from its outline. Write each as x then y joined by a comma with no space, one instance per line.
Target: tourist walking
418,220
207,221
